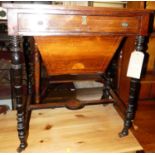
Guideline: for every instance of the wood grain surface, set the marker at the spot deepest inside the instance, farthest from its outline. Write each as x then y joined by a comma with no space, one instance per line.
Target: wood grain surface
91,129
70,55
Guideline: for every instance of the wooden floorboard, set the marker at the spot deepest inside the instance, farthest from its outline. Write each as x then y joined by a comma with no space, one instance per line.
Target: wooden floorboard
91,129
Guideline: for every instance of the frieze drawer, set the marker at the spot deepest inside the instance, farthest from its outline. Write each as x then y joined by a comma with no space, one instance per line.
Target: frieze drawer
52,23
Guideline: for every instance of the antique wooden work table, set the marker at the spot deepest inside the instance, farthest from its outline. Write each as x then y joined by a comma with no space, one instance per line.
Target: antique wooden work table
45,20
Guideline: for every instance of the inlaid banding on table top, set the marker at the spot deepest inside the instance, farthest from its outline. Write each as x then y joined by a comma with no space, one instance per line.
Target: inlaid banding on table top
35,20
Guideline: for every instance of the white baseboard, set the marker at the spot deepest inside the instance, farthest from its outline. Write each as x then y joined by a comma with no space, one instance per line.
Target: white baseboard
7,102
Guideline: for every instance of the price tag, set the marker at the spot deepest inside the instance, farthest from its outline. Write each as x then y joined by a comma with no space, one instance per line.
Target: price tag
135,64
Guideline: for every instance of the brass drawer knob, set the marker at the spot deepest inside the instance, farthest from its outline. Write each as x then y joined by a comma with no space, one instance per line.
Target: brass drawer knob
84,20
125,24
2,13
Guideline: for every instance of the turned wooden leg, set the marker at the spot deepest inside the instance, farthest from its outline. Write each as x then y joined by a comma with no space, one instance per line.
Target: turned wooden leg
28,63
134,88
37,75
17,87
133,92
109,78
29,70
106,87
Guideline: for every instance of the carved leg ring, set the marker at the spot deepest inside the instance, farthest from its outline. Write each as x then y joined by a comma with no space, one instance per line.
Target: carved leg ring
17,85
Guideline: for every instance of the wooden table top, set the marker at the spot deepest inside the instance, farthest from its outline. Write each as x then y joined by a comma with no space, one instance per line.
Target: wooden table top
41,19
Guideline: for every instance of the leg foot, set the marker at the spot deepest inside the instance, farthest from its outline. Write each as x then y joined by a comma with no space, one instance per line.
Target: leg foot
123,133
21,148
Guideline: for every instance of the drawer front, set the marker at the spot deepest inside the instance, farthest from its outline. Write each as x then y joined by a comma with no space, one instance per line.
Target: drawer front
76,23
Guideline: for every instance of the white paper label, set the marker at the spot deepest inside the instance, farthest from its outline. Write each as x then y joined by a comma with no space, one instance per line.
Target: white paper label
135,64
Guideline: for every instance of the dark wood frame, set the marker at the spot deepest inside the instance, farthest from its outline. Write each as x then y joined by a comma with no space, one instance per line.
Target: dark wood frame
15,10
